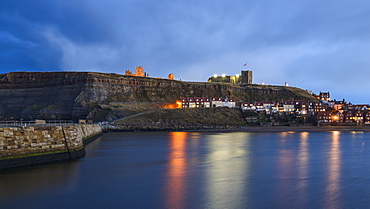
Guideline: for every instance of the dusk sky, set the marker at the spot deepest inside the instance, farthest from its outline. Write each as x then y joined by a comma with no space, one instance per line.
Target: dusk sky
314,45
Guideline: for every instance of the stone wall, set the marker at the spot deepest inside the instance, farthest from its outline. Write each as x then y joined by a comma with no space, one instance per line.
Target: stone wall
31,145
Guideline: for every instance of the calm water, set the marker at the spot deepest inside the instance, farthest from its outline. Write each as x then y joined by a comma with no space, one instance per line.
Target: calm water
201,170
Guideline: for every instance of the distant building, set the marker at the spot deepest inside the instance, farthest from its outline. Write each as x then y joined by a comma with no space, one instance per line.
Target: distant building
245,77
202,102
217,102
361,107
367,118
337,105
324,96
248,107
289,106
139,72
171,76
228,103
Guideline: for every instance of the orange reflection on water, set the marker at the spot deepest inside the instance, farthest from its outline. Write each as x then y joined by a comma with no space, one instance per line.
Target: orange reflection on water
283,134
175,183
333,190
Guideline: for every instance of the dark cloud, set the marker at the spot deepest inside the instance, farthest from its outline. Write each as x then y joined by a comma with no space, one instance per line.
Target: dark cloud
311,44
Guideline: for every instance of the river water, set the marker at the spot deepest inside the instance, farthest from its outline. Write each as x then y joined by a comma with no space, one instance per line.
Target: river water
201,170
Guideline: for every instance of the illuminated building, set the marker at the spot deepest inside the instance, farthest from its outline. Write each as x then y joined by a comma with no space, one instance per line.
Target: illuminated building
244,78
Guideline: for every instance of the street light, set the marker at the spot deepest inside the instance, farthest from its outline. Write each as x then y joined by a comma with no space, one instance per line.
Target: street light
335,117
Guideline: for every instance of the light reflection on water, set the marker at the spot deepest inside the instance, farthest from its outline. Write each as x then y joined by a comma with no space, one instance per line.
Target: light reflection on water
333,190
176,180
303,169
286,169
201,170
227,170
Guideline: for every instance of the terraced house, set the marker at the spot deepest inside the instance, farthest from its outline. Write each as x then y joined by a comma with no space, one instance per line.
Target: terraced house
298,107
204,102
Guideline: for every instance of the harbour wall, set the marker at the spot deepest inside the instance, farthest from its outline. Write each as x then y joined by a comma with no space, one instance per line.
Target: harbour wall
21,146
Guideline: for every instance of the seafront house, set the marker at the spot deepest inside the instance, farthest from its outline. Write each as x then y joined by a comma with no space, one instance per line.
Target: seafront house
217,102
314,108
336,117
192,103
348,117
228,103
322,117
302,108
340,117
358,116
268,106
248,107
289,106
367,118
202,102
259,107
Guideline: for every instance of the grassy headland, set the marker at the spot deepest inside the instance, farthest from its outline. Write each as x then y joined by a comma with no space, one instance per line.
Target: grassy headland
184,119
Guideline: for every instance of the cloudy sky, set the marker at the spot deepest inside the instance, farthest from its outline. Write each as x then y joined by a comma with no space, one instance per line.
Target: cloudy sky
317,45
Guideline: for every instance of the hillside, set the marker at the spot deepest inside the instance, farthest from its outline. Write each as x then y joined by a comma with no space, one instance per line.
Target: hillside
80,95
183,119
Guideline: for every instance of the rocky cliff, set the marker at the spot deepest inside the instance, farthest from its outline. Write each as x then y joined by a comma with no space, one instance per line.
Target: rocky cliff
76,95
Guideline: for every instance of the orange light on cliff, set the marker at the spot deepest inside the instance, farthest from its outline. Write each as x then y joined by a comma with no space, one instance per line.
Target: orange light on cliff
169,106
179,104
176,105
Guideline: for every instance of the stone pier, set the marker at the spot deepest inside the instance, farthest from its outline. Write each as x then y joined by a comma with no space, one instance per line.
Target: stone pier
21,146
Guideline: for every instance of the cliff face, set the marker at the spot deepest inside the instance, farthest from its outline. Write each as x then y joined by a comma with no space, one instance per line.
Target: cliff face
30,95
74,95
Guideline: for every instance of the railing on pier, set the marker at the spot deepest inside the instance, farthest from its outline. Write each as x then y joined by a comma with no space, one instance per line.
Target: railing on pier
21,123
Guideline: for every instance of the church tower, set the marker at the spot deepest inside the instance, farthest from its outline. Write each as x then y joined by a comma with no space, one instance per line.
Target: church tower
246,76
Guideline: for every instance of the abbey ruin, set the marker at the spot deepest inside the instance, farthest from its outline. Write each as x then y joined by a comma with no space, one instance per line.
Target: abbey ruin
140,73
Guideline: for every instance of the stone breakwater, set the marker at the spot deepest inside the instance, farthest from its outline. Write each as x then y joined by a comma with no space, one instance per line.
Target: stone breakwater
21,146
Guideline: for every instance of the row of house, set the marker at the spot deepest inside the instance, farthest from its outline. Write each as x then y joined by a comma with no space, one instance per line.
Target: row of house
358,117
343,105
340,104
298,107
196,102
